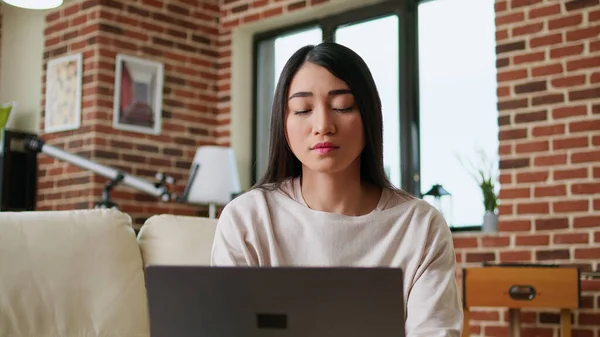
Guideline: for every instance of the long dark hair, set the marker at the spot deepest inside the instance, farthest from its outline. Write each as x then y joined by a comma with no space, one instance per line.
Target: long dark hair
348,66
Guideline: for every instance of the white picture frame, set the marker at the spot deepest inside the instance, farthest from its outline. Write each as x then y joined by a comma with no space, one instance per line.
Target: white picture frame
63,93
137,103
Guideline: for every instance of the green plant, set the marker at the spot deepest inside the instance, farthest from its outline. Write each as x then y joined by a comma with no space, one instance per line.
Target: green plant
484,175
4,115
490,199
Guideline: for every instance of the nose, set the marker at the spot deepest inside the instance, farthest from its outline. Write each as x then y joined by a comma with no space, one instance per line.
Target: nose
323,121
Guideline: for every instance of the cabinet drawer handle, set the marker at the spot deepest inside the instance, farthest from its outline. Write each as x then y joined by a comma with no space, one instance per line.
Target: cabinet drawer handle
522,293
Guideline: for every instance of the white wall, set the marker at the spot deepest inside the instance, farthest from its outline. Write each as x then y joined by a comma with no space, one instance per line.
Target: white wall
21,64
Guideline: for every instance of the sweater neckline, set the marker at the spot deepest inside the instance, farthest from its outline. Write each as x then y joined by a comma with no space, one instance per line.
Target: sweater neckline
298,197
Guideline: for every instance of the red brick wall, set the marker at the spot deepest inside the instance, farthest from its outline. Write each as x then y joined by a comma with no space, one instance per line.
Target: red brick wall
548,59
180,33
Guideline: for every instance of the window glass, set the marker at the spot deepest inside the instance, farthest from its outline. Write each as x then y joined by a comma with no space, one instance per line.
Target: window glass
366,38
457,89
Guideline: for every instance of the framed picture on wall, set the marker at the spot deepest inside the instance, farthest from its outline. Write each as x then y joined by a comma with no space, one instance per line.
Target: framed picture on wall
63,94
138,95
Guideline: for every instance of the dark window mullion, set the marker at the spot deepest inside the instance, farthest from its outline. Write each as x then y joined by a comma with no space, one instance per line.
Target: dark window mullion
409,99
255,114
328,30
364,14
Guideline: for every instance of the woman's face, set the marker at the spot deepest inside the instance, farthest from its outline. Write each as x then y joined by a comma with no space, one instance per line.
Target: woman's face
323,125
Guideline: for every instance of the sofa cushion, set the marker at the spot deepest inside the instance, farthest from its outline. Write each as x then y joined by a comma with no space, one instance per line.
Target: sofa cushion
71,273
177,240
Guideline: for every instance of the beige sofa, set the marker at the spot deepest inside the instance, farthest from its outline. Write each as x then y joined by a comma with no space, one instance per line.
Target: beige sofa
81,273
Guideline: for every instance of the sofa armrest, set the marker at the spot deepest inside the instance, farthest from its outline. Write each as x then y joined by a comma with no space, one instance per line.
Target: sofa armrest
71,273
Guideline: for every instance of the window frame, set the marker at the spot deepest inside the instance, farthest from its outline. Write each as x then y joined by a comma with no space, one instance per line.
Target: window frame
408,76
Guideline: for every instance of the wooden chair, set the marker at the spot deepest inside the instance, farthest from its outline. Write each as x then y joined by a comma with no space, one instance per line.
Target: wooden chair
526,286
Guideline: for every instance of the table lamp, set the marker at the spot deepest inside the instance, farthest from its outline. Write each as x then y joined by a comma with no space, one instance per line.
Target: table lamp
213,178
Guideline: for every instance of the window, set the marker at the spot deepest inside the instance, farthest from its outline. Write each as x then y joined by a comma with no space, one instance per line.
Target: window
436,77
457,89
355,29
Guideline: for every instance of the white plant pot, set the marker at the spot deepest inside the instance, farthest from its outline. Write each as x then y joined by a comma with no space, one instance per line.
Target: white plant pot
490,222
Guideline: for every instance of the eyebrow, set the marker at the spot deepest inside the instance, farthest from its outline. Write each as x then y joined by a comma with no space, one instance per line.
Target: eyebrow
331,93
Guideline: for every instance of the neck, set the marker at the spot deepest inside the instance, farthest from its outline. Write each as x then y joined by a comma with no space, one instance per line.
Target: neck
341,193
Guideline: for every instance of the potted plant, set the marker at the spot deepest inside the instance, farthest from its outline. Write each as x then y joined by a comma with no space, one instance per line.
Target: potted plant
484,174
490,203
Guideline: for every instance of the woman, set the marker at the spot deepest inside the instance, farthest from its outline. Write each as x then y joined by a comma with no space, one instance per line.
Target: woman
325,199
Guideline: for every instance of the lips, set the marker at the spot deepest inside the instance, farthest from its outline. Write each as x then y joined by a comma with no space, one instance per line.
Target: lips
324,147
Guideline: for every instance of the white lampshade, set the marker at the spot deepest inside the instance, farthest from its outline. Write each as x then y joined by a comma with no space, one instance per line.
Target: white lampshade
35,4
213,176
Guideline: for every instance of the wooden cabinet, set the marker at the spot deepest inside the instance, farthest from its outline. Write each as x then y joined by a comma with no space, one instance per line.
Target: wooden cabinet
519,287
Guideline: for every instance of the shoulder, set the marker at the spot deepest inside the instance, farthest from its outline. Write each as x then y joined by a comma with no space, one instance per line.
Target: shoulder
246,202
430,215
432,222
252,210
257,200
420,214
425,209
402,202
239,214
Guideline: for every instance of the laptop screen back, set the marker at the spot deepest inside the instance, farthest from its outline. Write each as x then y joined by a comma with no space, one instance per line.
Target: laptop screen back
284,301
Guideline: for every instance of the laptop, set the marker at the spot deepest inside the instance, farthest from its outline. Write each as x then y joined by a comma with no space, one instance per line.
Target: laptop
204,301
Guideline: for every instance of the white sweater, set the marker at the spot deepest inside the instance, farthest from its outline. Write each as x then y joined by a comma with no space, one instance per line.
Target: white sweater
277,228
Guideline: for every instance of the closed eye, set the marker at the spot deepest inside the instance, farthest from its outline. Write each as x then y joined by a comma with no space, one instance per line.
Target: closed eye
301,112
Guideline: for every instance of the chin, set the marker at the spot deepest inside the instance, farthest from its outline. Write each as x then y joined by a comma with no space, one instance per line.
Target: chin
328,166
325,170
